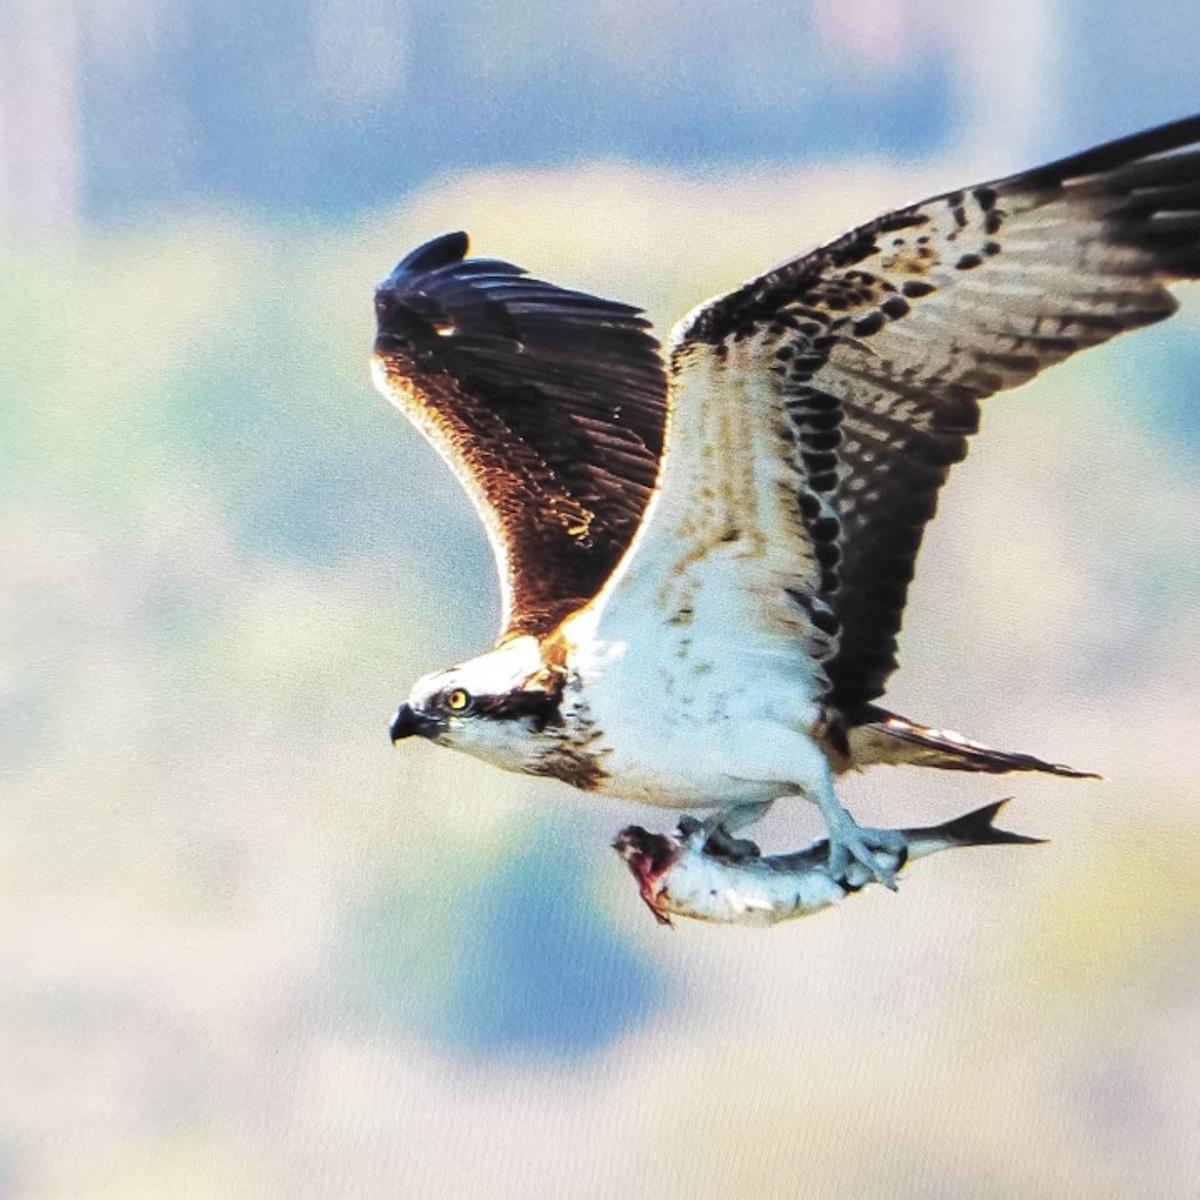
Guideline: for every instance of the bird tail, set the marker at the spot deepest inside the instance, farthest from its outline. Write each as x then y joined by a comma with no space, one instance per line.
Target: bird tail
878,736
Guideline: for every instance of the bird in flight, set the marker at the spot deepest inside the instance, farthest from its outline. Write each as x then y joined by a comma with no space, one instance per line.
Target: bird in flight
704,556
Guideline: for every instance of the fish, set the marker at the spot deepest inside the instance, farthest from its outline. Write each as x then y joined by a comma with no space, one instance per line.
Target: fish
723,880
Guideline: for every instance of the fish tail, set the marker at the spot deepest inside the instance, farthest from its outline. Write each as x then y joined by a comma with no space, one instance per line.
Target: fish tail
972,829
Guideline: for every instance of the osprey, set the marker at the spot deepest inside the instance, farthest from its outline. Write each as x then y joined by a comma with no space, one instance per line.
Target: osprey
704,560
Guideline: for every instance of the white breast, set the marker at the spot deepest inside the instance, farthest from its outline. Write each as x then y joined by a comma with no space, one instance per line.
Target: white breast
677,704
695,641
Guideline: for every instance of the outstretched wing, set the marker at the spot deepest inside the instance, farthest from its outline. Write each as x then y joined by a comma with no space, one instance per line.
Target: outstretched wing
852,376
547,404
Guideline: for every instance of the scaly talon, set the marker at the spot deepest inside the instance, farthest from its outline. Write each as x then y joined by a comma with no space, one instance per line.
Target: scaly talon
852,844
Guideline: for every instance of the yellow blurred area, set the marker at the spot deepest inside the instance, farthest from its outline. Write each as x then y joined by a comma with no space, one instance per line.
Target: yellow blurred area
252,950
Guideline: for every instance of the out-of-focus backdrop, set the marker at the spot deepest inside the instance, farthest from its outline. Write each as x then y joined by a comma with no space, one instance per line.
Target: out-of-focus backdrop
251,950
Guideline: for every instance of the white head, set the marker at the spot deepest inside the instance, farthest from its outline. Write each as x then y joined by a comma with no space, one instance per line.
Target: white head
492,707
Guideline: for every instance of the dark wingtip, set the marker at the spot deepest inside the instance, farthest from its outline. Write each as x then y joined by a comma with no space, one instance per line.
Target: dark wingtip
439,252
976,829
1159,139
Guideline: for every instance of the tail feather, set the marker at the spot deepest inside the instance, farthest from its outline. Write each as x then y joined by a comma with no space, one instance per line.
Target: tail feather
878,736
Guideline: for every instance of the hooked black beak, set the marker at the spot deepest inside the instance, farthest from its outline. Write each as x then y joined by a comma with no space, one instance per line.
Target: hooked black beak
408,721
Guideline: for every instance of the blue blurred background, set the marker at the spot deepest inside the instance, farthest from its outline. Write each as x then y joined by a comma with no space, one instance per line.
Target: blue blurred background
250,949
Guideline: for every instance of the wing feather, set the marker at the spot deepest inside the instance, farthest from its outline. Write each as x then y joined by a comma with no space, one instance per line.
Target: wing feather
879,346
548,404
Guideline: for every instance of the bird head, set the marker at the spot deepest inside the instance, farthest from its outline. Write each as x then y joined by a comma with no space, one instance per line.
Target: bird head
492,706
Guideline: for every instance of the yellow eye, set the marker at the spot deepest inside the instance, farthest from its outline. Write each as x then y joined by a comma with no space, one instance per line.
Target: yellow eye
458,700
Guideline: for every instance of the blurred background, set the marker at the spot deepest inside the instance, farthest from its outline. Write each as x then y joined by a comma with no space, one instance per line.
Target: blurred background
250,949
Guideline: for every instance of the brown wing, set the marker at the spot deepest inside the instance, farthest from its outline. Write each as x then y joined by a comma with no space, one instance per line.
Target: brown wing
883,342
548,405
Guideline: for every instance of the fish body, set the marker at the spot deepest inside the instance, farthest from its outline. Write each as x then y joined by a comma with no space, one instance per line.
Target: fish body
680,874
